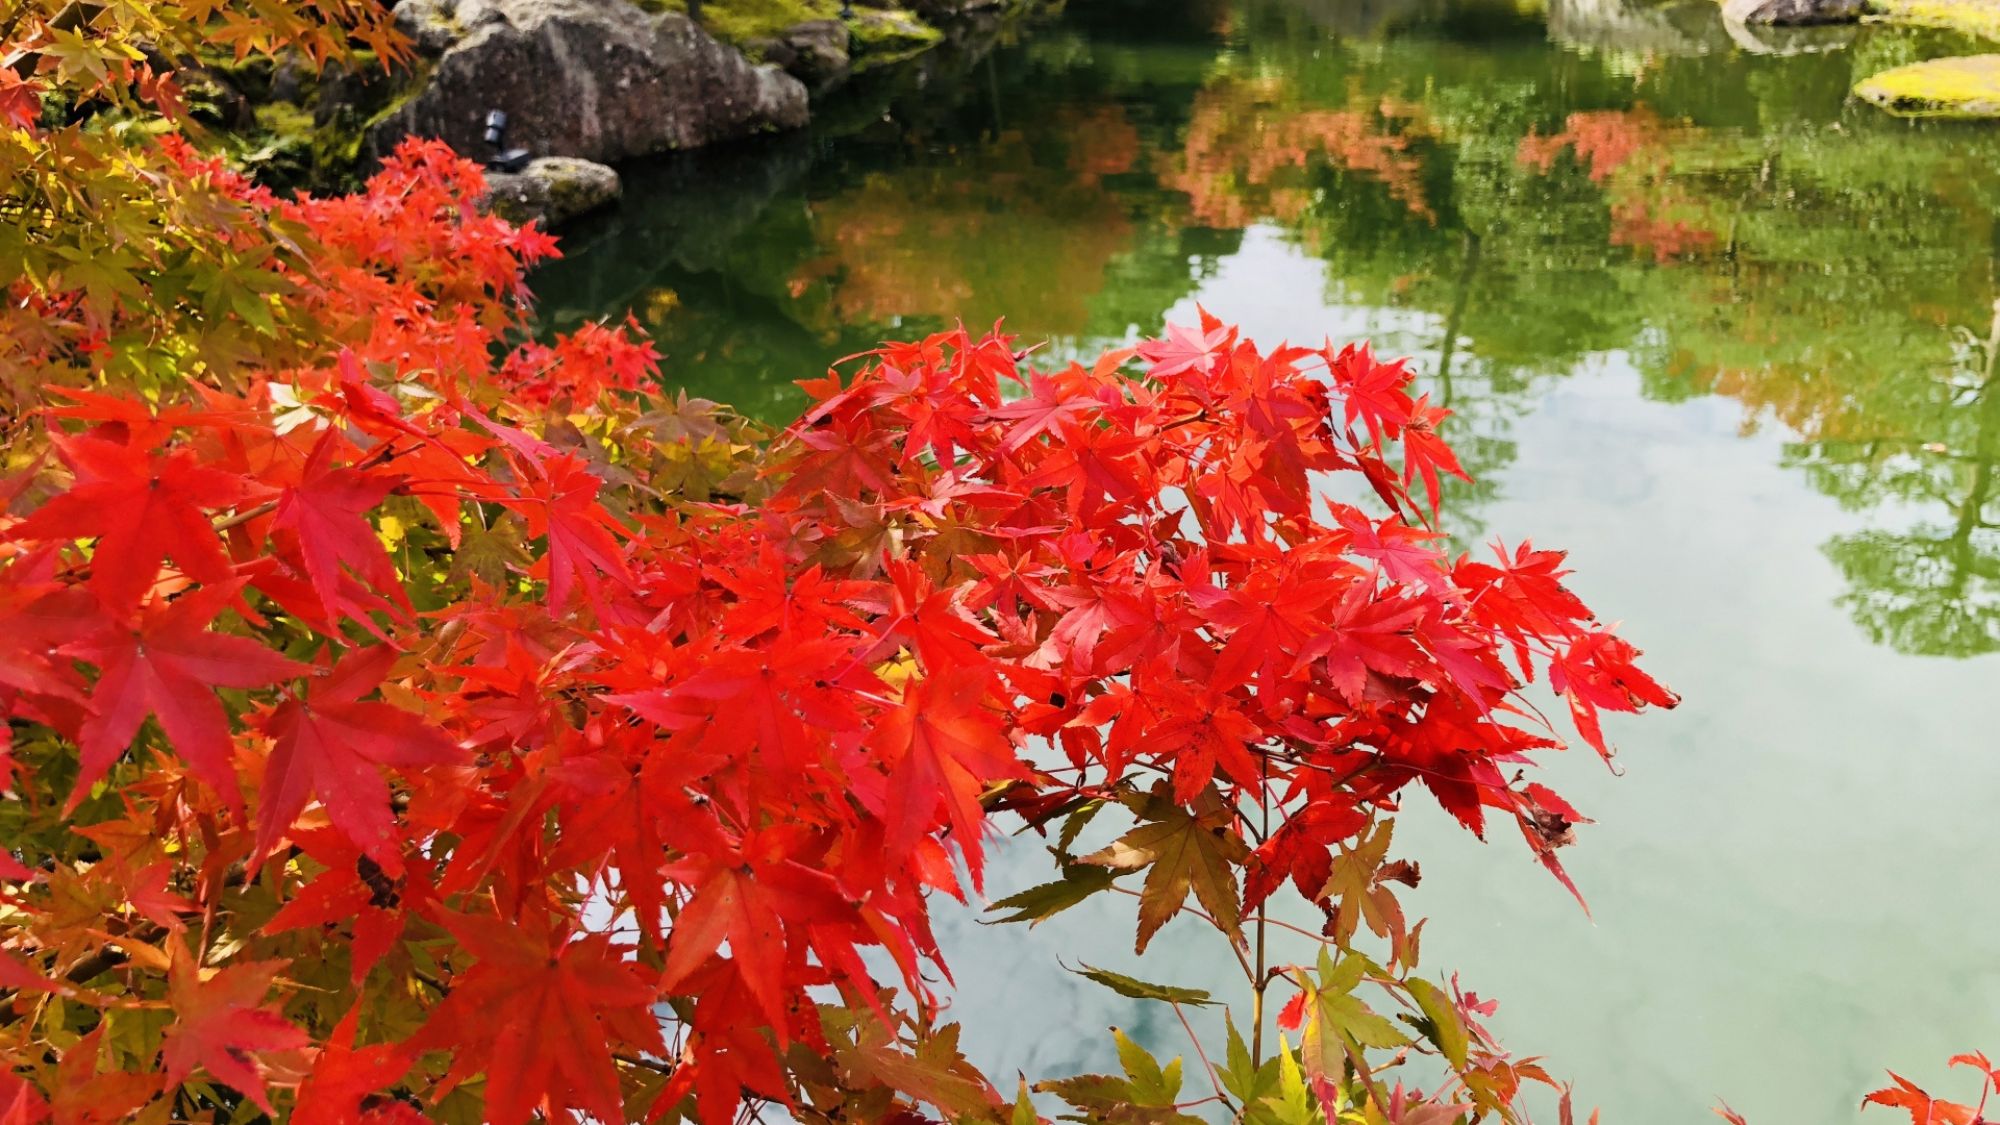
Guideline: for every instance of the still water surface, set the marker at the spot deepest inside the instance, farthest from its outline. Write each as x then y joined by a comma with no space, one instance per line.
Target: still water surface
1723,333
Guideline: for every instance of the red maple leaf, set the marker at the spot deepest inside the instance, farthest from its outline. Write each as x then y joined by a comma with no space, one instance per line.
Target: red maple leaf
84,1095
559,500
1371,392
1185,349
142,507
1922,1108
749,895
169,666
1425,453
334,744
20,100
941,747
1051,403
344,1075
1368,634
325,511
538,1014
221,1022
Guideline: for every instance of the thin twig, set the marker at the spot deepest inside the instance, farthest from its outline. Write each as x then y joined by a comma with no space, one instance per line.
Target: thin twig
1214,1082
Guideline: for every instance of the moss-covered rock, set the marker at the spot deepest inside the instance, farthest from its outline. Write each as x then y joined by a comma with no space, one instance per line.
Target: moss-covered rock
1973,17
877,32
552,190
1962,87
817,52
887,35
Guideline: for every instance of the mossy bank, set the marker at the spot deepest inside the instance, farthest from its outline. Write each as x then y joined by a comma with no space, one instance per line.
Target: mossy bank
600,80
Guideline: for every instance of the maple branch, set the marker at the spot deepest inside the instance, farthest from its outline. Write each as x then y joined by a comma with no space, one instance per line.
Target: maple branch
1213,1082
246,515
658,1066
1261,981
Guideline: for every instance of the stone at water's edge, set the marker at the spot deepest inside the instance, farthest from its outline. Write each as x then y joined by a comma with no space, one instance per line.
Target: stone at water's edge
552,190
1973,17
1792,13
1966,87
596,79
815,52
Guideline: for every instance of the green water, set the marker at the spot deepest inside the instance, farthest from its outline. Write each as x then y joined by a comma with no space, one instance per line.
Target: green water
1721,331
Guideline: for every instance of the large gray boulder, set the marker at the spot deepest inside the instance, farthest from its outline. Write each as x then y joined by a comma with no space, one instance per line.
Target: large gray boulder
596,79
1792,13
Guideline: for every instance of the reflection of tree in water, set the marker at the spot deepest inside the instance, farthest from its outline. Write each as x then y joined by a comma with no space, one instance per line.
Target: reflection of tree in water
1932,589
1501,208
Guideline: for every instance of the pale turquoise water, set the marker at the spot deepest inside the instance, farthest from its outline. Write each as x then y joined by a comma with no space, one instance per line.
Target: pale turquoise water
1733,363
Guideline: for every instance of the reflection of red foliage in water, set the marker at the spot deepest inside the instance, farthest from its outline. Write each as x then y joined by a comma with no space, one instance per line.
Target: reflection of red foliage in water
1644,200
1102,142
1604,140
1244,156
1644,226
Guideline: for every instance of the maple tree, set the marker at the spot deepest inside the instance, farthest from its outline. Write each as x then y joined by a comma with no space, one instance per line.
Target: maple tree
372,667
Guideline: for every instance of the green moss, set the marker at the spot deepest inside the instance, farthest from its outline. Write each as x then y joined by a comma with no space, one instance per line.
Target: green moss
1962,87
741,22
293,147
279,151
890,34
879,34
1974,17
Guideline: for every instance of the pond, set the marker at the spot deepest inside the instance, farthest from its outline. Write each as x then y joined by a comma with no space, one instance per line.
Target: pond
1722,332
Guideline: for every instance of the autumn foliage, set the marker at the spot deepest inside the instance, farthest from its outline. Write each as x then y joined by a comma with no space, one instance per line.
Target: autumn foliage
411,719
354,701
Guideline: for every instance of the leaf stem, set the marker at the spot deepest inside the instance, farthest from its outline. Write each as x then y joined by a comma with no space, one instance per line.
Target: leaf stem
1260,980
1209,1067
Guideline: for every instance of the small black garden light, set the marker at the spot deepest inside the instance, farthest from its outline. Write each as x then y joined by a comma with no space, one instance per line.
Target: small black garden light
504,159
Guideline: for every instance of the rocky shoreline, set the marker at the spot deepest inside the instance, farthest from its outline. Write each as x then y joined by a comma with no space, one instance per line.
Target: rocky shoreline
583,85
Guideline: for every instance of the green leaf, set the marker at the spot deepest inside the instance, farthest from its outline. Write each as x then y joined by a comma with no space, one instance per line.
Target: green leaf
1074,826
1291,1106
1357,1022
1024,1108
1241,1076
1445,1028
1151,1084
1338,1022
1079,882
1143,990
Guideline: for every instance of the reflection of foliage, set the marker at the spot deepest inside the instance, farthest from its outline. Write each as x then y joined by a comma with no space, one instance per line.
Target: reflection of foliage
995,234
1933,588
1501,208
1247,151
1630,150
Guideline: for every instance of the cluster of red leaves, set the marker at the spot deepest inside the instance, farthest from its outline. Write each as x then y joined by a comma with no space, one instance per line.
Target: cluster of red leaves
1918,1103
592,749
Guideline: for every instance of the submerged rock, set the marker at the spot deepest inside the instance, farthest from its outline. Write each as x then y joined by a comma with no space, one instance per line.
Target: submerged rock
1792,13
596,79
1962,87
551,190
